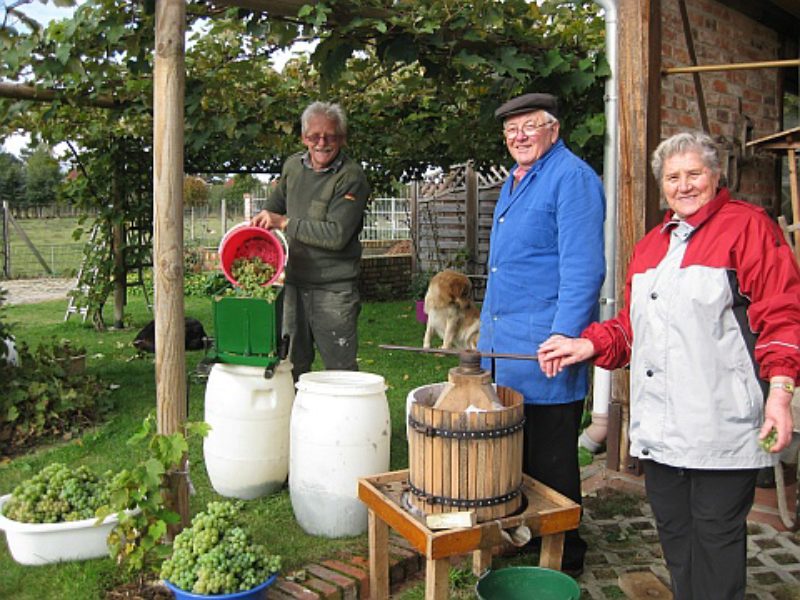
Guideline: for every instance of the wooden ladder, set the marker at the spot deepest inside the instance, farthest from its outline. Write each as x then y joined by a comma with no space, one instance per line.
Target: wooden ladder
87,276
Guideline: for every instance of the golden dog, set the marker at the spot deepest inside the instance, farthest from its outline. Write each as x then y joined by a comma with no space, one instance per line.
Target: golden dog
451,313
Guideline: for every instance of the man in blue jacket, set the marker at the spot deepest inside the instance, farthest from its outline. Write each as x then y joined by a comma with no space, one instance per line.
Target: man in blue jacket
546,265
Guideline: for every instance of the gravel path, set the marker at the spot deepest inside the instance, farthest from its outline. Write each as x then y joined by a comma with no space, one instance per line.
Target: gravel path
28,291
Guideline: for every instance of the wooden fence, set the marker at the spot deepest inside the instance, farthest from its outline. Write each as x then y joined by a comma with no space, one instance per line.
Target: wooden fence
453,219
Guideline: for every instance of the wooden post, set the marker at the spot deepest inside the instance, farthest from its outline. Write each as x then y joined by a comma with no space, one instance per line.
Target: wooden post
6,241
639,52
378,535
169,77
413,211
118,241
471,225
248,206
223,219
792,155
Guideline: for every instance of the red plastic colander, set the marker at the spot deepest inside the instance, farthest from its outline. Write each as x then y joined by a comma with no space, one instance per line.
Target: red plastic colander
247,241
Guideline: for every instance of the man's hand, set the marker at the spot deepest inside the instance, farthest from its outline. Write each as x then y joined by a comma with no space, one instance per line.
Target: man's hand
269,220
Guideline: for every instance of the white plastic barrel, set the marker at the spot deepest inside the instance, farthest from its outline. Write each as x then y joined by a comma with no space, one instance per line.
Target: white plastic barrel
340,431
247,450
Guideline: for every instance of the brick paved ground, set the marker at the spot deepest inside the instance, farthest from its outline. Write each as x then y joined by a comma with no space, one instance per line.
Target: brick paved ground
617,544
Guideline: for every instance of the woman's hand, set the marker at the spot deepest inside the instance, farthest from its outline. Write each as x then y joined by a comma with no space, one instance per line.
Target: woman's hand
559,351
778,414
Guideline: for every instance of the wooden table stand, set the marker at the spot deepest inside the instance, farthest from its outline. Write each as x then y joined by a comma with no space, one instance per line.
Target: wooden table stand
548,514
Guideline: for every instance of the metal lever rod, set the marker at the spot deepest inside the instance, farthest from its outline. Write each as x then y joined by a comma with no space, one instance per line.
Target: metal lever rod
460,352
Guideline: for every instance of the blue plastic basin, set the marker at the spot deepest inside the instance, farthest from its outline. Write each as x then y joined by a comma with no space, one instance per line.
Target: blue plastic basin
257,593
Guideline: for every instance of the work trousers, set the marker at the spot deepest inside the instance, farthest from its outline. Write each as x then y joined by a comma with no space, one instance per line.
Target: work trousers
325,318
550,455
701,517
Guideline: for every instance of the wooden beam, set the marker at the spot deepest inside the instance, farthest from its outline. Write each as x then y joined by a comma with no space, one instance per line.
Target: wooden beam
698,83
169,77
19,91
764,64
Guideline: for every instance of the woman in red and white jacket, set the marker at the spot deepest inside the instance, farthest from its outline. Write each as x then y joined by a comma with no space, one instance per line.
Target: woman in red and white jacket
711,331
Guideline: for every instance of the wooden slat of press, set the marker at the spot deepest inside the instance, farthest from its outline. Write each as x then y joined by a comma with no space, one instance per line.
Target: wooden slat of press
463,458
493,463
482,482
455,458
472,461
445,458
437,487
428,456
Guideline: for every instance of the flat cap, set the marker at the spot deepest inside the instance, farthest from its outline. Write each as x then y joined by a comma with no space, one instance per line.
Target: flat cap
528,103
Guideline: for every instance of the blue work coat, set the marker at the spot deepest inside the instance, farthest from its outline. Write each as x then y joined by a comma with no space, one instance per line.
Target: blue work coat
546,265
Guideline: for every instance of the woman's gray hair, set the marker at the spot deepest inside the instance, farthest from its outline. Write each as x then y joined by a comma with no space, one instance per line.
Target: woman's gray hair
330,111
687,141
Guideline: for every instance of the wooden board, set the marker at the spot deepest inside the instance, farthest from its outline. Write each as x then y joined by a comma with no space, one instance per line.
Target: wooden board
643,585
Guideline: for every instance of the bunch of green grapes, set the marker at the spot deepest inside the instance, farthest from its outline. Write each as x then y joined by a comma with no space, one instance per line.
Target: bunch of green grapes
769,441
251,275
58,493
216,556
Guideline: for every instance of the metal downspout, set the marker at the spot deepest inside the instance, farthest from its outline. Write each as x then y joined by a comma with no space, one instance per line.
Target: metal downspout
593,436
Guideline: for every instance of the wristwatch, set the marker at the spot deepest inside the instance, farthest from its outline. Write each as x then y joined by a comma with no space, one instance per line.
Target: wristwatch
787,386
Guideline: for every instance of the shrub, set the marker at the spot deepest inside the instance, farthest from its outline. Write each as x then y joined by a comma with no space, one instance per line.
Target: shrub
43,396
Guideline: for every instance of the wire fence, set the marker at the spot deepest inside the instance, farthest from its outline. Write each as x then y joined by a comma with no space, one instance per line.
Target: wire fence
51,237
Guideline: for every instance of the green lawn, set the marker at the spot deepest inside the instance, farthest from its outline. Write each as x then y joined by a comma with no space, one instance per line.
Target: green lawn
111,357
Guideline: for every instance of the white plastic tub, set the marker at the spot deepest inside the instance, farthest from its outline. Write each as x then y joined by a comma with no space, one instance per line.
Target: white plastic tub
45,543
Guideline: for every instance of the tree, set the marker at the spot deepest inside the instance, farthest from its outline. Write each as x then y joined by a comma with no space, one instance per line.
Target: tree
420,80
43,177
12,179
195,191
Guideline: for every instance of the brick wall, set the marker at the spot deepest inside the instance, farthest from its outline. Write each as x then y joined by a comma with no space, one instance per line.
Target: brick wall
385,277
722,35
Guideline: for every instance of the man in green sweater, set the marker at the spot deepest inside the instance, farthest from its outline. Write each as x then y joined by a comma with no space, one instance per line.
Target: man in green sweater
319,204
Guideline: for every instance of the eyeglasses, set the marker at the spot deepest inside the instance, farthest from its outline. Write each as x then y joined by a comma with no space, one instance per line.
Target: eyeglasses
325,138
529,129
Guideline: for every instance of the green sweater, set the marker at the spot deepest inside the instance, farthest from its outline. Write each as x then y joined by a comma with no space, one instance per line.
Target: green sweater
326,214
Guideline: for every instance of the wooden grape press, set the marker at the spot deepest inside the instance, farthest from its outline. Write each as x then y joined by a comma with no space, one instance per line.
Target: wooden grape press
464,491
465,445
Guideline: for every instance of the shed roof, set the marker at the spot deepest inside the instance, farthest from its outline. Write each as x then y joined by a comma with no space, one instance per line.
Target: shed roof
783,140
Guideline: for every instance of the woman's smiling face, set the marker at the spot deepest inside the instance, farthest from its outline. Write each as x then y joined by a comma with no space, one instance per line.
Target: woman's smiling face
687,183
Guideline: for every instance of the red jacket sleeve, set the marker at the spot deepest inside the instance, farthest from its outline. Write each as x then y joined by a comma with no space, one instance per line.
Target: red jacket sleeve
769,275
